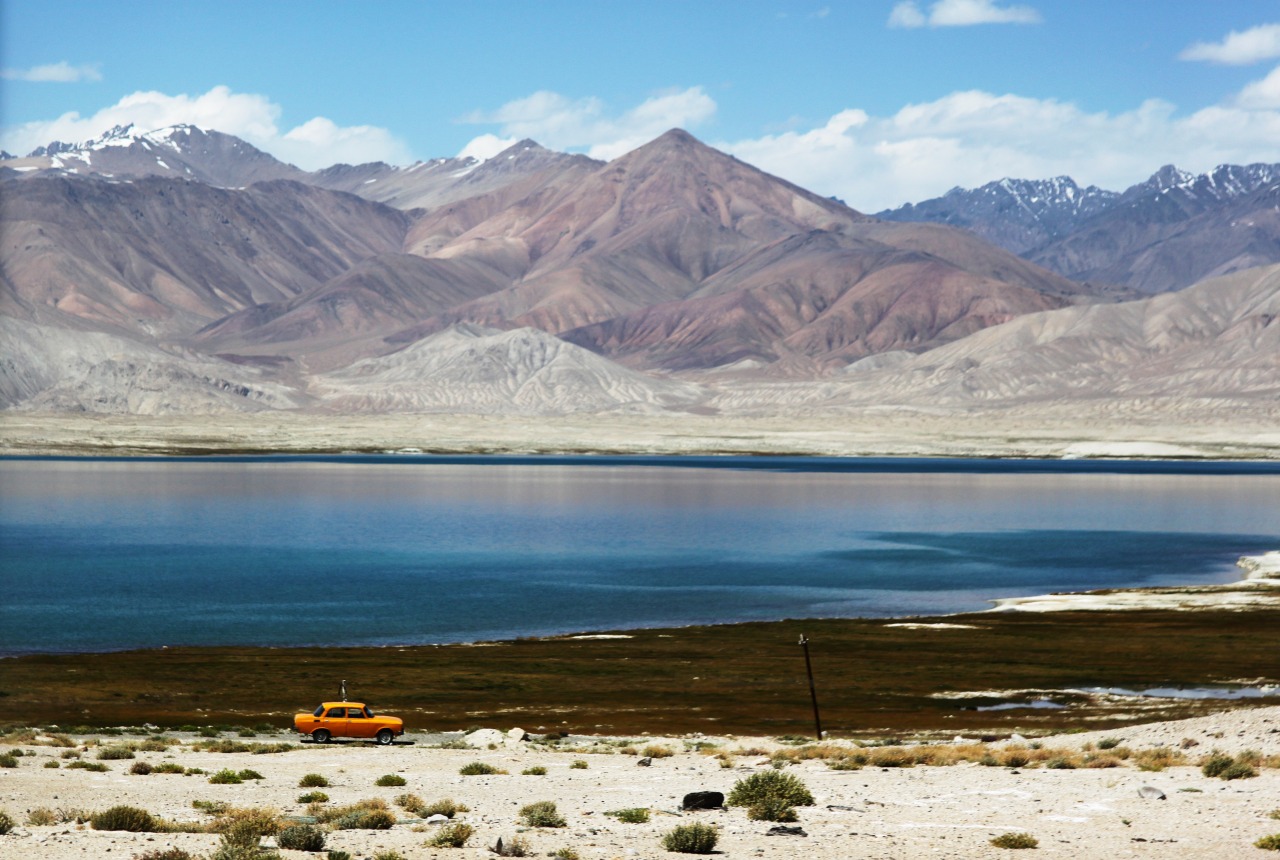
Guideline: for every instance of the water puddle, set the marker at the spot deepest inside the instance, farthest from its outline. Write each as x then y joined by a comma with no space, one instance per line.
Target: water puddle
1259,692
1041,704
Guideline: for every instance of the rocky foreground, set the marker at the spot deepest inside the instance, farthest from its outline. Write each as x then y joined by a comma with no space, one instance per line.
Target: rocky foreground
1140,791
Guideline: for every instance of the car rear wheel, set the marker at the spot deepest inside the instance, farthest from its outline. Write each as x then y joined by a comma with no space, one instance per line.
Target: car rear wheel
385,736
320,736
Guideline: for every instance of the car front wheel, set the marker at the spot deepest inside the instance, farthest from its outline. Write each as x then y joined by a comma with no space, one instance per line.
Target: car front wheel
320,736
385,736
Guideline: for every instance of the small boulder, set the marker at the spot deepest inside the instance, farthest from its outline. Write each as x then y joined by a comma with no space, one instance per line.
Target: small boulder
644,762
1150,792
481,738
437,819
784,830
517,734
703,800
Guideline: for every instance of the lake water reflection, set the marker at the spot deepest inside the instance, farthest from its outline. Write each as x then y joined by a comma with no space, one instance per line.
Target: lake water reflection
101,555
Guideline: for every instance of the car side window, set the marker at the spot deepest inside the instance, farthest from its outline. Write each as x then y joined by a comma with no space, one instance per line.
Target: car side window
336,713
355,713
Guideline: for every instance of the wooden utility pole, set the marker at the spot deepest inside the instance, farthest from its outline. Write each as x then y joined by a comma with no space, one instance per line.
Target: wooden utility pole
813,693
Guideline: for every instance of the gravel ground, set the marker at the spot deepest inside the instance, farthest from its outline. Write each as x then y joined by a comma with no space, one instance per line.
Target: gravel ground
951,811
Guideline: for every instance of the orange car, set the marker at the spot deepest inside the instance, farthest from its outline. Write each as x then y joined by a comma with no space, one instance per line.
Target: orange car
347,720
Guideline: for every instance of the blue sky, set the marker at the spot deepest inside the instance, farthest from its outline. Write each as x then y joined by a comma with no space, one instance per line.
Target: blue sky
876,101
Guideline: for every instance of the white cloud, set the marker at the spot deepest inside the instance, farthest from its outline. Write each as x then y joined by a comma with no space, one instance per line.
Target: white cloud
1239,47
960,13
58,73
559,122
319,142
971,138
486,146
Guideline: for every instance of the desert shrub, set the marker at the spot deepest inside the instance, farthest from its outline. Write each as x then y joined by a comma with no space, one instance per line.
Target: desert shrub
565,853
226,776
1215,764
1015,758
337,855
453,835
1158,759
212,807
1101,761
1274,814
239,822
1269,843
313,797
409,803
634,815
301,837
1060,763
658,751
1224,767
371,814
154,745
388,855
478,768
542,814
8,760
94,766
891,757
695,838
42,816
52,764
445,806
6,823
1015,840
537,770
70,754
250,774
114,753
1109,743
127,818
208,732
168,767
140,768
768,785
390,780
1239,770
629,750
771,809
313,780
166,854
579,764
194,771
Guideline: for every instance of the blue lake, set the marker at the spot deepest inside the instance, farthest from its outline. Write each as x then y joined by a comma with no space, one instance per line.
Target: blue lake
115,554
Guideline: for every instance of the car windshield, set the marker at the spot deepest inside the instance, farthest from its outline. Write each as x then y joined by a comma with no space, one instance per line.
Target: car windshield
318,711
368,713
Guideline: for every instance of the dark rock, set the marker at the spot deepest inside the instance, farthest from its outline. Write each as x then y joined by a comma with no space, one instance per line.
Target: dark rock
784,830
644,762
703,800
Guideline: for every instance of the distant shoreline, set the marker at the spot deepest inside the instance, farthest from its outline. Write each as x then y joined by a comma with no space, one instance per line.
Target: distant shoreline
1049,431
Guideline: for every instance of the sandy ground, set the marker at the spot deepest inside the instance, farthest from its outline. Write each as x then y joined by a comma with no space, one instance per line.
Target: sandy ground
1051,430
950,811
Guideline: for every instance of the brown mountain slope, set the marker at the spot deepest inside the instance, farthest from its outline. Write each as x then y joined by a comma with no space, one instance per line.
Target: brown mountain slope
164,257
818,301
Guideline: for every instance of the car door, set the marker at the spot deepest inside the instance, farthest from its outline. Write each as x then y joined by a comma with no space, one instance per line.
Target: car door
335,720
361,725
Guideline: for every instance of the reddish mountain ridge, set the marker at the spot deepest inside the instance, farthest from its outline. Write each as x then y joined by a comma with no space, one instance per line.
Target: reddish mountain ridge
674,257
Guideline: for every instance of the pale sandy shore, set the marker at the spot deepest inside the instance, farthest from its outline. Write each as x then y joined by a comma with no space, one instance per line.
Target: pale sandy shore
1053,431
923,811
1259,587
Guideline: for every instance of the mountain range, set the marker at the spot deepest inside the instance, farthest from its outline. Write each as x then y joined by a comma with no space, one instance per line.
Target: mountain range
182,271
